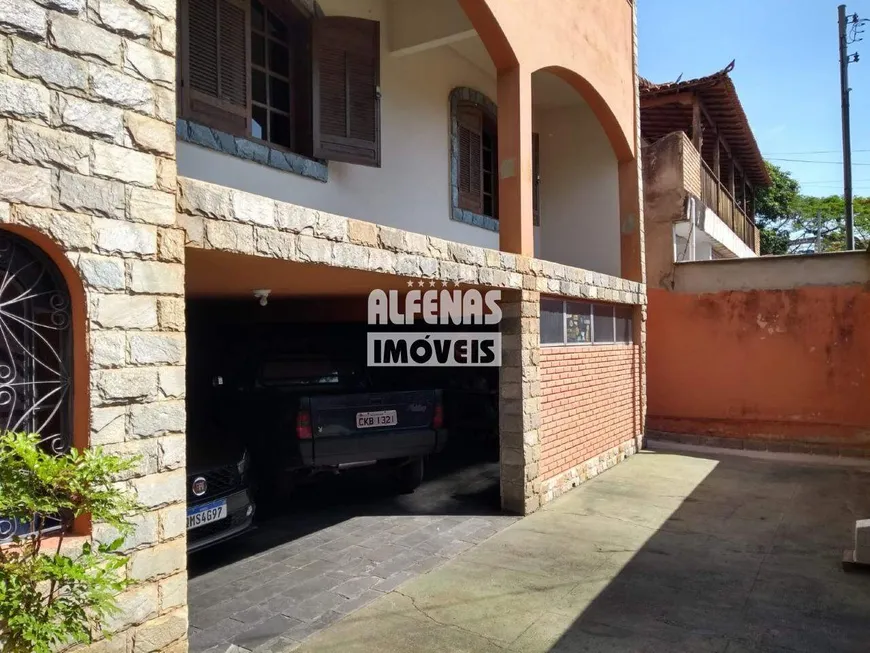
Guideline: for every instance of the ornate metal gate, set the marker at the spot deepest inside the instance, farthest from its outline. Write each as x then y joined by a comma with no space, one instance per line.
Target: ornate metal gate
35,351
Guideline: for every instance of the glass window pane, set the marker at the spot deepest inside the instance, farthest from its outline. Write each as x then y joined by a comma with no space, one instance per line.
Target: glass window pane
257,13
578,322
258,86
552,321
258,123
258,50
603,323
279,129
624,331
279,59
277,28
279,94
487,206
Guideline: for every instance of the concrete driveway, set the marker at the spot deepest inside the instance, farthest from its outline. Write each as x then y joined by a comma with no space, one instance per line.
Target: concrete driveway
668,552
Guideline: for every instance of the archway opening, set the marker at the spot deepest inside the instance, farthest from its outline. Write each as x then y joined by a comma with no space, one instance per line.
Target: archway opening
38,361
576,179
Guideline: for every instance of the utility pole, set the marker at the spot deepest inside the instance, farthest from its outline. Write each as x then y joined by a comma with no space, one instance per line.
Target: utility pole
846,39
818,244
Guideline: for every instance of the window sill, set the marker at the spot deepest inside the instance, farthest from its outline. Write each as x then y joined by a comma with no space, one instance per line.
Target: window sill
243,148
474,219
71,545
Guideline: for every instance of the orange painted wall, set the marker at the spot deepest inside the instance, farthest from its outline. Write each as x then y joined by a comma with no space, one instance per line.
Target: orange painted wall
590,402
791,365
591,38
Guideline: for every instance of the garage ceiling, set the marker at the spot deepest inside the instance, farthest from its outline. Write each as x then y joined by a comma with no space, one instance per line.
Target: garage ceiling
223,274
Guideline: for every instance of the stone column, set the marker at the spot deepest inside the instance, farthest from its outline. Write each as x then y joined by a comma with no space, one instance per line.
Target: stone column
520,401
516,229
87,160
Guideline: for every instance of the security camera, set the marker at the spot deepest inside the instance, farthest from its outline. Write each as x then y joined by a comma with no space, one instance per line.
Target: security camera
263,296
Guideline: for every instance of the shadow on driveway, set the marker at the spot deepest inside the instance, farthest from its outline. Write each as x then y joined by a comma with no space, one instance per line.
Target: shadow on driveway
667,553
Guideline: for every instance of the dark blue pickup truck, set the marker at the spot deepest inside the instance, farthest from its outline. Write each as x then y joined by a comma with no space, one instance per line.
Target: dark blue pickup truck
316,414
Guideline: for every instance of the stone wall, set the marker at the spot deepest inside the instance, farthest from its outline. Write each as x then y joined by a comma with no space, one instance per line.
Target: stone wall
87,158
221,218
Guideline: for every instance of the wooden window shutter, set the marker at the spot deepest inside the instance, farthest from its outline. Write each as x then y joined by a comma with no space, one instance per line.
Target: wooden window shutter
346,61
536,180
469,121
216,56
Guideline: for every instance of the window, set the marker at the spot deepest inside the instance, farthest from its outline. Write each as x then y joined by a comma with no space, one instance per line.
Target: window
264,70
36,355
552,322
578,322
584,323
475,153
275,48
478,160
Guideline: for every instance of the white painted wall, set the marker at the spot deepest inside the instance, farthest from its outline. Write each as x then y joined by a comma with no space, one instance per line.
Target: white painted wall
579,190
412,188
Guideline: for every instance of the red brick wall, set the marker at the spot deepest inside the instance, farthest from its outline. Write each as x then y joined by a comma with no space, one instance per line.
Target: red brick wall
589,403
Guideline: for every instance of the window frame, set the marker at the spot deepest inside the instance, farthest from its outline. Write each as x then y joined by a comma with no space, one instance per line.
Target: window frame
295,52
593,308
307,30
461,98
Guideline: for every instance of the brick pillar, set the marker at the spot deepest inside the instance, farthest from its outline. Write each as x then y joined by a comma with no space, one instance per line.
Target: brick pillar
516,229
87,160
520,401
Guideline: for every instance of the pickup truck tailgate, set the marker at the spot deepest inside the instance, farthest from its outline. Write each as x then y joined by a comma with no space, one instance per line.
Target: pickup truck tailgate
372,426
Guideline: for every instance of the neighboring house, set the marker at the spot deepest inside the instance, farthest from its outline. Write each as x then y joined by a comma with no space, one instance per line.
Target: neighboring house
315,150
702,168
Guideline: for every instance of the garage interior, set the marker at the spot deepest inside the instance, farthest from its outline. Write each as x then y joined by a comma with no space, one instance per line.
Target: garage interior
349,528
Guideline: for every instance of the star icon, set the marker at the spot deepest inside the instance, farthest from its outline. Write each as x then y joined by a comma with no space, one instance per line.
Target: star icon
444,284
432,283
410,284
420,283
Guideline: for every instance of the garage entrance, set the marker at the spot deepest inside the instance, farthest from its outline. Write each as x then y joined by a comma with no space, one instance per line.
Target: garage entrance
316,483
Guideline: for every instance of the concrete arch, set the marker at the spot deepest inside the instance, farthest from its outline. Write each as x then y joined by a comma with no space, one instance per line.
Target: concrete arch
490,32
622,147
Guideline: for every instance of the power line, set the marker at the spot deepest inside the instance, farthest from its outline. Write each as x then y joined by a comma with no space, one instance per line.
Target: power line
835,181
839,163
811,152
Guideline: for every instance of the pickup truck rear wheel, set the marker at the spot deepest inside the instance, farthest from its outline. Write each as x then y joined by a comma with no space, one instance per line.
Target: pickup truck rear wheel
409,476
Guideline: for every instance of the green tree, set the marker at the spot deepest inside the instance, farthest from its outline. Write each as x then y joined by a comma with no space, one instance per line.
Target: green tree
825,217
49,597
792,223
775,207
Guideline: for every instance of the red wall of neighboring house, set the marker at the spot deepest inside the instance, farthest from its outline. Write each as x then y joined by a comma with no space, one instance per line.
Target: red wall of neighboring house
590,403
789,367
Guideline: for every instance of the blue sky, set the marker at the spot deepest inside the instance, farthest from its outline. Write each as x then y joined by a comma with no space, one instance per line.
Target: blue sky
787,74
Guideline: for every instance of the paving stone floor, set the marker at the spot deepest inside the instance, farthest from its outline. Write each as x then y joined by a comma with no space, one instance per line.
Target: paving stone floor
339,546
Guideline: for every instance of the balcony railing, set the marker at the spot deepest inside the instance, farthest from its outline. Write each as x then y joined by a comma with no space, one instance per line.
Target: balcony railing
718,198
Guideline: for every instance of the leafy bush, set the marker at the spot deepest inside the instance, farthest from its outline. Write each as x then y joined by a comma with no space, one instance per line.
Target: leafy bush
48,597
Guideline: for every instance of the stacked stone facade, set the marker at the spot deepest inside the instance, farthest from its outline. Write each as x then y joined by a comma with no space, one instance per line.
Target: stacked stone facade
87,165
87,158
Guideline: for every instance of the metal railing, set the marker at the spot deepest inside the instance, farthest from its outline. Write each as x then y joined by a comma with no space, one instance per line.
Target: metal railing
717,197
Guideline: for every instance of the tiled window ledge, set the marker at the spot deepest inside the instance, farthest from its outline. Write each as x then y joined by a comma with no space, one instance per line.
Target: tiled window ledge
214,139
